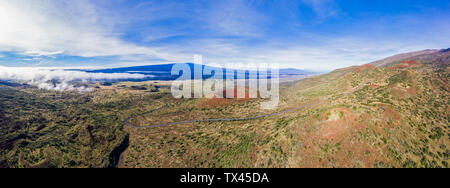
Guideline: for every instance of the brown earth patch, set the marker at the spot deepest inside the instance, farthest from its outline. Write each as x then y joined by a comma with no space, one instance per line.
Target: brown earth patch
336,122
238,93
411,91
219,101
404,92
405,64
172,99
389,112
364,67
215,102
374,86
338,142
369,66
398,92
412,62
400,66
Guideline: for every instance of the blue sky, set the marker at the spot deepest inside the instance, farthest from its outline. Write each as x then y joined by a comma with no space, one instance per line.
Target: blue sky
318,35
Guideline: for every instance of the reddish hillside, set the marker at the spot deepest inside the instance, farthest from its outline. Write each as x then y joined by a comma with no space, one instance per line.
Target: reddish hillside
223,101
405,64
387,61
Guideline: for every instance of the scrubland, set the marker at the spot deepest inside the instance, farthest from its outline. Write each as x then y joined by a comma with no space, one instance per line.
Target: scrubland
397,118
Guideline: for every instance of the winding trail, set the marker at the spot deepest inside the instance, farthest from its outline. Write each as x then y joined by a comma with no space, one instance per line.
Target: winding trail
127,120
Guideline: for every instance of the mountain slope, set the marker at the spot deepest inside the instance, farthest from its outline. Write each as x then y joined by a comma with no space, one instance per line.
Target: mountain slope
396,58
398,119
362,116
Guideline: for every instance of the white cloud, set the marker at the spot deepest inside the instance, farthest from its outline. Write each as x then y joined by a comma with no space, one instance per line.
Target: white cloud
323,8
236,18
42,77
50,27
42,53
323,54
222,31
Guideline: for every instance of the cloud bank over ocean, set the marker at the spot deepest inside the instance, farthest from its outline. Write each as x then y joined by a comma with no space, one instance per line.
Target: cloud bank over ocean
59,79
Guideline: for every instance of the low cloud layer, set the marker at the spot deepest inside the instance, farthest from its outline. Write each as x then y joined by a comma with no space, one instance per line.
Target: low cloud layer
59,79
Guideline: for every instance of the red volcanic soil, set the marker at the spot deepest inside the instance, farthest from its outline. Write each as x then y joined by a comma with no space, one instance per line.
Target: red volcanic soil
242,90
405,64
389,112
412,62
401,92
397,92
374,86
216,101
364,67
334,140
335,129
412,91
369,66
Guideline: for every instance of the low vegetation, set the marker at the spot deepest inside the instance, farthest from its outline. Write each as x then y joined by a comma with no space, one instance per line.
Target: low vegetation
396,117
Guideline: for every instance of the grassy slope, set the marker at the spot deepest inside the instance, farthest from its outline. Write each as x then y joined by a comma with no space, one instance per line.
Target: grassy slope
400,119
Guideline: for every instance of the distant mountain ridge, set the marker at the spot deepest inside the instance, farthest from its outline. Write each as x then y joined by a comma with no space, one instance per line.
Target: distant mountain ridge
163,72
423,55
